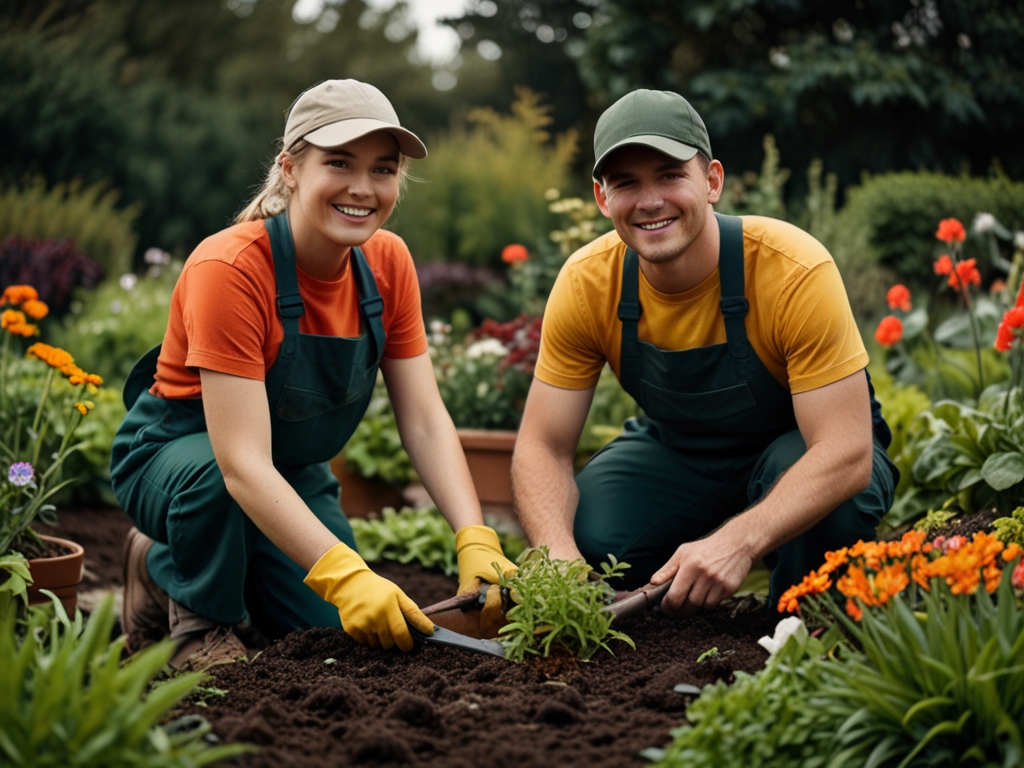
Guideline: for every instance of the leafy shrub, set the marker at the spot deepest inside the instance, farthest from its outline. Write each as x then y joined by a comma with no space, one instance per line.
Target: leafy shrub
775,718
422,536
484,185
375,448
67,700
558,605
1010,529
120,321
85,214
447,286
889,219
54,267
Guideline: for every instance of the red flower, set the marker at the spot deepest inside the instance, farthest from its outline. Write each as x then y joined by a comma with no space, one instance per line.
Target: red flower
966,274
944,265
899,297
951,230
1004,336
889,331
1014,317
998,286
513,253
1017,577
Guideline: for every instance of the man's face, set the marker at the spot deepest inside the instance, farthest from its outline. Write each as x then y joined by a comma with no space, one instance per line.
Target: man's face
658,204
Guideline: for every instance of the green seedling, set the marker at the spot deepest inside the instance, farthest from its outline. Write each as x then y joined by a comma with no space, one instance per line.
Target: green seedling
713,654
558,604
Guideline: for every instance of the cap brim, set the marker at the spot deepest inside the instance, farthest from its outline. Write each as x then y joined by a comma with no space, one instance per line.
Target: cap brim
670,147
336,134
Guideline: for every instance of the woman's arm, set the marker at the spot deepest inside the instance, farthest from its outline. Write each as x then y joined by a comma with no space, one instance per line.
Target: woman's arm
238,420
429,437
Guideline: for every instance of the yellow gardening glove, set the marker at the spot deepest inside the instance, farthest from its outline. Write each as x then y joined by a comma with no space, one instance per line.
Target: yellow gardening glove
372,609
478,547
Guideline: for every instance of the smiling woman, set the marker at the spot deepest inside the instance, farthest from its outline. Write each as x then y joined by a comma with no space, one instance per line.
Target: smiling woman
278,327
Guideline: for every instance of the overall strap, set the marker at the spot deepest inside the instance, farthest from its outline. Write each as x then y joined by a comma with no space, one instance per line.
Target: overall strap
289,302
370,301
629,314
730,272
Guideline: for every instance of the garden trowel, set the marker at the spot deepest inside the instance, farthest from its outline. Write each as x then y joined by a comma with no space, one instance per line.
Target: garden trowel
451,639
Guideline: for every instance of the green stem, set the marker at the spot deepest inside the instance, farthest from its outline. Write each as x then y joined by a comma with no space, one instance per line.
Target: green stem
39,415
970,313
3,372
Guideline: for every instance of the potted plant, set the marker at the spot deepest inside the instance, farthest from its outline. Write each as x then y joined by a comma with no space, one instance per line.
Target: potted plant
43,399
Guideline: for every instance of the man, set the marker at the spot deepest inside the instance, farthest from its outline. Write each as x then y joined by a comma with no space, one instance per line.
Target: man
760,439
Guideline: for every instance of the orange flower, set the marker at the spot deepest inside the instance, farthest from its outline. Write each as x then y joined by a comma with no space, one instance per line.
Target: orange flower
854,610
22,329
951,230
510,254
82,409
943,265
16,294
889,331
890,581
55,357
1004,337
998,286
1012,552
965,274
11,317
35,309
898,297
1014,317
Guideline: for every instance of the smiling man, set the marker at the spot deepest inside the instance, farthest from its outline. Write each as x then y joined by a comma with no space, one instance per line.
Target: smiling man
760,438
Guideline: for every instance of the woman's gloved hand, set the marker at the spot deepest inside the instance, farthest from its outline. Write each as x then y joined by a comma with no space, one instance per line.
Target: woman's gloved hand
372,609
478,547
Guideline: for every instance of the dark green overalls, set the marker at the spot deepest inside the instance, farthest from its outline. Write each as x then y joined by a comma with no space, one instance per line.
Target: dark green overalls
718,430
209,556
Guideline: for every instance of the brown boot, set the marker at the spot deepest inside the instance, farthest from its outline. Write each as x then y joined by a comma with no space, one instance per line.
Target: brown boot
201,650
144,608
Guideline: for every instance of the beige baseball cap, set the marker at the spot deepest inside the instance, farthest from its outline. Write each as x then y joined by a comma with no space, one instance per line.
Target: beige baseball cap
336,112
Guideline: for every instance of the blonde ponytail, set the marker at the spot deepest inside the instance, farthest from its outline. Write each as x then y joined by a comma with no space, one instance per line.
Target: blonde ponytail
273,196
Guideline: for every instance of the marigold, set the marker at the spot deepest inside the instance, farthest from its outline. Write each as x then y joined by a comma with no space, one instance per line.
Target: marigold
16,294
81,408
22,329
35,309
510,254
950,231
55,357
944,265
889,331
965,273
11,317
898,297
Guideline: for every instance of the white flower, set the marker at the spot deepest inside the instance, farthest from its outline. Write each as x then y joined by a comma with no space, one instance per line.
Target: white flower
984,222
437,339
784,630
481,389
156,256
128,281
1018,240
486,347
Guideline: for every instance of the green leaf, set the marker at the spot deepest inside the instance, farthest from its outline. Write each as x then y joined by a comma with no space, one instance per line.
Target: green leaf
1003,470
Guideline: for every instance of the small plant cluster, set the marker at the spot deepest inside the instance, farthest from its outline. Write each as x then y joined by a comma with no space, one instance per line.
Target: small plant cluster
1010,529
762,719
66,698
54,266
43,400
558,605
419,536
485,379
870,574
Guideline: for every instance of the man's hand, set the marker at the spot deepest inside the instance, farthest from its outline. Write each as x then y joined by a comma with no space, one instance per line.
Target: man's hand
703,573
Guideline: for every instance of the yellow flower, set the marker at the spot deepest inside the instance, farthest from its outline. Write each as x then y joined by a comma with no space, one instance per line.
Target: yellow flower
82,408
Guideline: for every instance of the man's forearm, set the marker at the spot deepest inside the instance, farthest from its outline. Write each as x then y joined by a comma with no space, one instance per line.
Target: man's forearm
545,493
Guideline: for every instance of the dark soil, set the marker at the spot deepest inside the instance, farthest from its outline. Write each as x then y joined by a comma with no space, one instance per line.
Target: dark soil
442,707
319,699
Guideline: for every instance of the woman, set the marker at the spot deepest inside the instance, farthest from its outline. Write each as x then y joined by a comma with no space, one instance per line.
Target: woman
277,327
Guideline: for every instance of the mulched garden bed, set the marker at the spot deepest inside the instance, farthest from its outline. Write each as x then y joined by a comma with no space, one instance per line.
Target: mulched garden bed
442,707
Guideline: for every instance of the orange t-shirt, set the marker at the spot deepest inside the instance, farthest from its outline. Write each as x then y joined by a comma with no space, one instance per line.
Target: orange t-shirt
224,308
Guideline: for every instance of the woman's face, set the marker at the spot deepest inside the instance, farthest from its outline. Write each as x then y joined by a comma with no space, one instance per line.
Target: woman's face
343,195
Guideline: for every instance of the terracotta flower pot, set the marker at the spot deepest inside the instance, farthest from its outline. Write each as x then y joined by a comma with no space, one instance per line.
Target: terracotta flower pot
489,455
61,574
362,495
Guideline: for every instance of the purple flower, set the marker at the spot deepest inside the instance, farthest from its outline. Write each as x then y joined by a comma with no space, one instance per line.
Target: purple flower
21,473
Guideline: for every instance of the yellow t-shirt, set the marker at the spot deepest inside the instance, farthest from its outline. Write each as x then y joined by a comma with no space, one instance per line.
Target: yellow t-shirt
799,323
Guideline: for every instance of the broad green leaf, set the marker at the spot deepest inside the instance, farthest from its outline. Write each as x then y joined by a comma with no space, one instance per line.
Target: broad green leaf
1003,470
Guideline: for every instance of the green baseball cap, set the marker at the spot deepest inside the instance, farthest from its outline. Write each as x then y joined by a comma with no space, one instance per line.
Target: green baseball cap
662,120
